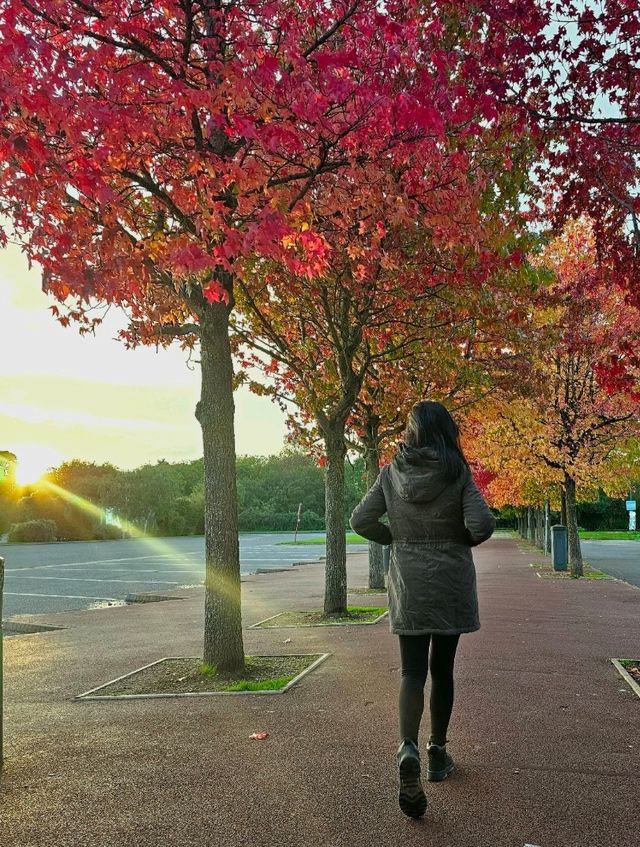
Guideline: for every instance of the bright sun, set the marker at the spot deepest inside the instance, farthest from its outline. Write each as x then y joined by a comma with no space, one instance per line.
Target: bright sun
34,460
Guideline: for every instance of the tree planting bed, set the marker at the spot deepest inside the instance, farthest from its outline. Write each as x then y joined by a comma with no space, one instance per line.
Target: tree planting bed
316,617
189,677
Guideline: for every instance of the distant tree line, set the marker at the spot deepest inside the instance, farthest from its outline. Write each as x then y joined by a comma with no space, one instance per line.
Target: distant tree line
79,499
167,499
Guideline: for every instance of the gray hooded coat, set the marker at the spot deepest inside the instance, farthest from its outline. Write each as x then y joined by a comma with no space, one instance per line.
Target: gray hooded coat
433,524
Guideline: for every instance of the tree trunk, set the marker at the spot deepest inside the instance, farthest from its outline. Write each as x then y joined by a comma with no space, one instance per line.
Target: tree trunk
335,593
563,506
539,528
530,535
223,645
376,565
575,552
547,529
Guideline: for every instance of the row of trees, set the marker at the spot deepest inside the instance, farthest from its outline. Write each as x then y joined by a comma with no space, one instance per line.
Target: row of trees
168,498
336,193
571,425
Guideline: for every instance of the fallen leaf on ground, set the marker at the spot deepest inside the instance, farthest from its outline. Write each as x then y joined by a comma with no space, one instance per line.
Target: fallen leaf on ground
287,641
259,736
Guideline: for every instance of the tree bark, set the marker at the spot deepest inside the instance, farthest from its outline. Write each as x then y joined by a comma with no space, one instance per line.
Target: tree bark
376,565
563,506
547,529
575,552
539,527
530,535
335,594
223,644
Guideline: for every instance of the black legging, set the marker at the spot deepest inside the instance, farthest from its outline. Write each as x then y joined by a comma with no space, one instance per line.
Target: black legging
417,660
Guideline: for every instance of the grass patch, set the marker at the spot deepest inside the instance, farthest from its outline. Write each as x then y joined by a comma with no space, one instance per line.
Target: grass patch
189,676
609,536
316,617
545,569
365,590
351,538
264,685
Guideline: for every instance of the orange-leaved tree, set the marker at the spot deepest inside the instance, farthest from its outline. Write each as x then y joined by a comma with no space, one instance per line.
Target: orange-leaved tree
570,418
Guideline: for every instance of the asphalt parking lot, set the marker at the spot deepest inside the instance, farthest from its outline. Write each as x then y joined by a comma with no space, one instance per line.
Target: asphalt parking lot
41,578
617,558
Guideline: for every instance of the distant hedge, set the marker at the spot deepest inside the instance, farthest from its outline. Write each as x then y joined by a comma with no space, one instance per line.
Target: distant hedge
109,532
39,530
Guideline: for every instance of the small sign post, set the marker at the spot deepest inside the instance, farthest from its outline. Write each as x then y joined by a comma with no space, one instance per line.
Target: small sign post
631,509
295,537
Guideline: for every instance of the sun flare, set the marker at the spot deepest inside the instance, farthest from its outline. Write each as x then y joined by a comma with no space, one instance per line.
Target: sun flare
34,460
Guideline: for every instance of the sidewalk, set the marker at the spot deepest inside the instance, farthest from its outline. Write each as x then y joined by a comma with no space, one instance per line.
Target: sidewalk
545,733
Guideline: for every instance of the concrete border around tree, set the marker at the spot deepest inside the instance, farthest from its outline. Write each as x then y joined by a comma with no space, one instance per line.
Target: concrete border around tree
259,624
626,676
93,695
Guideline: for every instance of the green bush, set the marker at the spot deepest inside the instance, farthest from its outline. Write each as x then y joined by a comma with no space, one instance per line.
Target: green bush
29,531
108,532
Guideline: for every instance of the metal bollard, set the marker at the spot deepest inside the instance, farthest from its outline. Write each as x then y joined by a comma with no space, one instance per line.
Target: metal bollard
1,658
559,547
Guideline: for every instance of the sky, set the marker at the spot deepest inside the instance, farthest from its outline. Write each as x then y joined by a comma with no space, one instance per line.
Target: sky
63,396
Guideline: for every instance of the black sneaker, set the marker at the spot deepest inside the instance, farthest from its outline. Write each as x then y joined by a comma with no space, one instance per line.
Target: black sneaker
440,762
412,799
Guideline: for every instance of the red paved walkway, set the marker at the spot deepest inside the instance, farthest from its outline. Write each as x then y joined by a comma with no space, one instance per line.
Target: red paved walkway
545,733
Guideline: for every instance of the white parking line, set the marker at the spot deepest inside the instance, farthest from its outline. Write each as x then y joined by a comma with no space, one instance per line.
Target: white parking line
92,562
147,570
93,579
64,596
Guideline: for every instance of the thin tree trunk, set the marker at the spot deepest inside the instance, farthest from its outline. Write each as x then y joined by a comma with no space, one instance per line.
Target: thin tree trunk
575,552
547,529
376,564
223,645
563,506
530,535
335,594
539,528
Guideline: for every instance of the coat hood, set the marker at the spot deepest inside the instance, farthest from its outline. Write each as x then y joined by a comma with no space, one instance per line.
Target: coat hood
416,474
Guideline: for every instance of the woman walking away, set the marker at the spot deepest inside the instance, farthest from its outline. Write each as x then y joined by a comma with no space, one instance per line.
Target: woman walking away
436,514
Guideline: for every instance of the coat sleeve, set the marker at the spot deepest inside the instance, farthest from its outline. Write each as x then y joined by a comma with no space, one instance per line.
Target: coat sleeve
478,519
365,519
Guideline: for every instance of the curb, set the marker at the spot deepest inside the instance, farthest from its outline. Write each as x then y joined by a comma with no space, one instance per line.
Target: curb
10,627
148,598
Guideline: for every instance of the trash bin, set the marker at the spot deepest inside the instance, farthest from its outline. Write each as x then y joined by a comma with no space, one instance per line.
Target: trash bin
559,547
386,555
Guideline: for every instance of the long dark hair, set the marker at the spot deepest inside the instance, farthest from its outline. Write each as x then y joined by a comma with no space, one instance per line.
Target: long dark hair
431,425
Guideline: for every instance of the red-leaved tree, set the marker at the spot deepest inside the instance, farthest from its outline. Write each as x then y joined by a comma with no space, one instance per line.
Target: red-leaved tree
151,155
